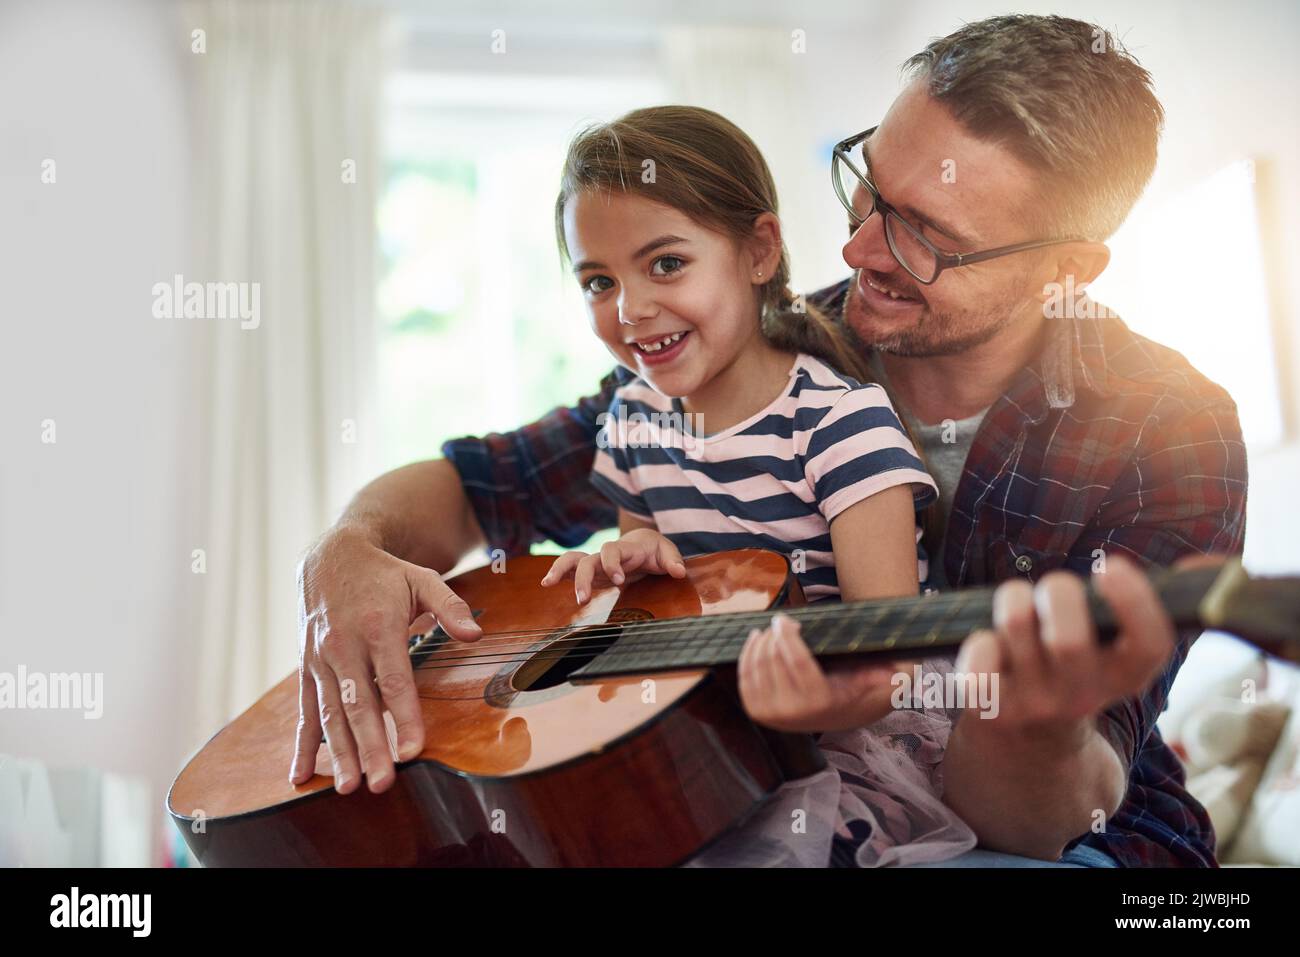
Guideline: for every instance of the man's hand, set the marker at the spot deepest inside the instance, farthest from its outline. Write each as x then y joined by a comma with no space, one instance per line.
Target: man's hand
1054,677
639,552
1032,778
356,606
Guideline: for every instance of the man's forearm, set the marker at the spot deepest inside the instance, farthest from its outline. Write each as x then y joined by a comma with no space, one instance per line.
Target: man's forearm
419,513
1030,796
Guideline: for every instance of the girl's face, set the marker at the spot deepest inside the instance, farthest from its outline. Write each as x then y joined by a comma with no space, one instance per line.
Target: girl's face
673,301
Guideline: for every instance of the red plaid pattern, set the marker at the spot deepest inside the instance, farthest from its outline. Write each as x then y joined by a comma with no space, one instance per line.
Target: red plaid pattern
1112,443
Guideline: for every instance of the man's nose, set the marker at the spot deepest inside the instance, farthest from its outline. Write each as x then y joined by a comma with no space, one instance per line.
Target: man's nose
867,248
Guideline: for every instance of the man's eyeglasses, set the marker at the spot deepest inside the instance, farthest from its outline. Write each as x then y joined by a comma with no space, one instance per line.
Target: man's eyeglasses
916,254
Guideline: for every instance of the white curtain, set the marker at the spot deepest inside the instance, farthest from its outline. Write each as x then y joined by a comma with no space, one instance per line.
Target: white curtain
756,77
289,102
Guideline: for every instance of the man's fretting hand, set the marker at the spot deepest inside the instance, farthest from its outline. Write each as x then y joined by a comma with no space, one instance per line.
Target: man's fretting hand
1035,776
356,604
1054,675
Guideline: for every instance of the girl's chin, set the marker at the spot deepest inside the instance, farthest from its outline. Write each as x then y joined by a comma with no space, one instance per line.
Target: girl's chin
674,383
669,386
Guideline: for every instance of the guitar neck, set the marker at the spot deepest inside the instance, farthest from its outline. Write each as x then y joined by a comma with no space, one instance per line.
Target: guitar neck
898,628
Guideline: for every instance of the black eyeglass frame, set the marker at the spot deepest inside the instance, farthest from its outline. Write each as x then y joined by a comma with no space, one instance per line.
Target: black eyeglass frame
942,259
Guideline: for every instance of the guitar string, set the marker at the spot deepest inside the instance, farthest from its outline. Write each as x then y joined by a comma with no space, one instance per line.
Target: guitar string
954,597
670,638
666,632
812,613
901,649
900,642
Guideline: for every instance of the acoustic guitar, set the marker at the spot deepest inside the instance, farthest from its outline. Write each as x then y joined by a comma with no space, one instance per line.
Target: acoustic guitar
609,734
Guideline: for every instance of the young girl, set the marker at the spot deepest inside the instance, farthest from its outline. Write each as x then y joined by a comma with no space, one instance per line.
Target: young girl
756,428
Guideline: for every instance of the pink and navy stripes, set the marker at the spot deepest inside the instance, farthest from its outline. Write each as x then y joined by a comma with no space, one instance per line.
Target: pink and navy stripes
775,480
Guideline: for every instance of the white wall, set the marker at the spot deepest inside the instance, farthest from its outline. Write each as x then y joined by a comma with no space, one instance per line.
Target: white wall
95,528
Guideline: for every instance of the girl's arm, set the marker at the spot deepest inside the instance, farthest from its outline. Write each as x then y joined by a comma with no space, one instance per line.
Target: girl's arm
627,522
781,684
875,546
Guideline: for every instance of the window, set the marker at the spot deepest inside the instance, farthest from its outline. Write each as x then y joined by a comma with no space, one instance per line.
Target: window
1189,273
481,328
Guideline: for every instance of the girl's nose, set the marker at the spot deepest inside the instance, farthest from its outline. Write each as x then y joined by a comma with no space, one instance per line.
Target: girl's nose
633,308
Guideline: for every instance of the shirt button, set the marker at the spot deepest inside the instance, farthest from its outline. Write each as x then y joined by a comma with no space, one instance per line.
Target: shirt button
1024,563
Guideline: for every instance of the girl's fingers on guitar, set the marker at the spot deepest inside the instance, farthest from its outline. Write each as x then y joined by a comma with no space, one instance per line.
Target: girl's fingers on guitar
787,682
744,663
338,736
583,576
669,558
862,679
634,560
308,737
562,568
749,669
611,560
768,660
790,701
799,661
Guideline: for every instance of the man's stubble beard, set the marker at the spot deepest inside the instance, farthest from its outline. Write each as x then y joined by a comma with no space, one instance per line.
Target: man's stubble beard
935,333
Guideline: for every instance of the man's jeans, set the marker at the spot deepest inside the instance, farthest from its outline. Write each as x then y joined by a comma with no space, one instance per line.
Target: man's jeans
1079,856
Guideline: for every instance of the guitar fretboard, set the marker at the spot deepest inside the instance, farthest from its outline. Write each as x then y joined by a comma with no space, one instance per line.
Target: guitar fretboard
927,625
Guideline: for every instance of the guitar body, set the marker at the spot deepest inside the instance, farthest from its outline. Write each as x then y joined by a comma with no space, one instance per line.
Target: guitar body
522,767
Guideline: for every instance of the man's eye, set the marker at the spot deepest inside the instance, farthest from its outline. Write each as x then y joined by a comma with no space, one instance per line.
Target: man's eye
588,287
673,264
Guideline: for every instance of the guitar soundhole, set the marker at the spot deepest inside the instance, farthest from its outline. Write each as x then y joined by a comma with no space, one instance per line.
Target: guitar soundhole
552,665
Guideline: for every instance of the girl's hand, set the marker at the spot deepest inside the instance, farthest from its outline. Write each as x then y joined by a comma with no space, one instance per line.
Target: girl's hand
783,687
638,553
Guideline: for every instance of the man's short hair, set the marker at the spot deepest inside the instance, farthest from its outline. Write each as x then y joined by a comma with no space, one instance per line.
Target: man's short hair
1065,98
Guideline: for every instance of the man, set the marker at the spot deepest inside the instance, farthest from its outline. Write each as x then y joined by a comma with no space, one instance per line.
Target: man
1060,443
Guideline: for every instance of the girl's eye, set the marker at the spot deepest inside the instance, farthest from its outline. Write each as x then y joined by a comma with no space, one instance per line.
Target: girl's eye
673,264
587,284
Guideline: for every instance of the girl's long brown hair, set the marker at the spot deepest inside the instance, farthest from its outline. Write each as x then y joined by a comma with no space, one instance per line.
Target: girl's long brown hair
700,163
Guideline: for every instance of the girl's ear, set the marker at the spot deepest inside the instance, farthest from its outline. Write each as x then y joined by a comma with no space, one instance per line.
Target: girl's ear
765,247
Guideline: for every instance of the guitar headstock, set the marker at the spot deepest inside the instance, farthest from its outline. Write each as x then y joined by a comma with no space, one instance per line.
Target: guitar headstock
1263,610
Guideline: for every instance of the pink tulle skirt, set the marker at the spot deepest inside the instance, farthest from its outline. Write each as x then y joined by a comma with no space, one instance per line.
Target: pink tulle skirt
884,780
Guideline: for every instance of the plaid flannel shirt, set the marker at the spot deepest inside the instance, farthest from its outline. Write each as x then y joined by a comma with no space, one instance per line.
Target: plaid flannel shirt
1111,443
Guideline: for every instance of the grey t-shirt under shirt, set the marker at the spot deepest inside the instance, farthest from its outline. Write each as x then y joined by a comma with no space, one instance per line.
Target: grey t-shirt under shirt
944,446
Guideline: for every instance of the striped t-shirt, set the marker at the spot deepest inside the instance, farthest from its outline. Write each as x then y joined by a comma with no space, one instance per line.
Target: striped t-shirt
775,480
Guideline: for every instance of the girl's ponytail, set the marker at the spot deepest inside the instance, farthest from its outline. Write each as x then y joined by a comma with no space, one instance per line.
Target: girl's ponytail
790,323
794,325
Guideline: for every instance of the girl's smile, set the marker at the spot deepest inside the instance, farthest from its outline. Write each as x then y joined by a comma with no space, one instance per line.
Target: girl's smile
660,350
672,300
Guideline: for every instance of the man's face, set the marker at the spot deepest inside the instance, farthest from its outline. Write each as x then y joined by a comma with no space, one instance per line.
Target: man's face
977,205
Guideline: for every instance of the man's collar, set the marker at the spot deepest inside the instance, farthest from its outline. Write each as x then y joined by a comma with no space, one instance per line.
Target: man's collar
1073,356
